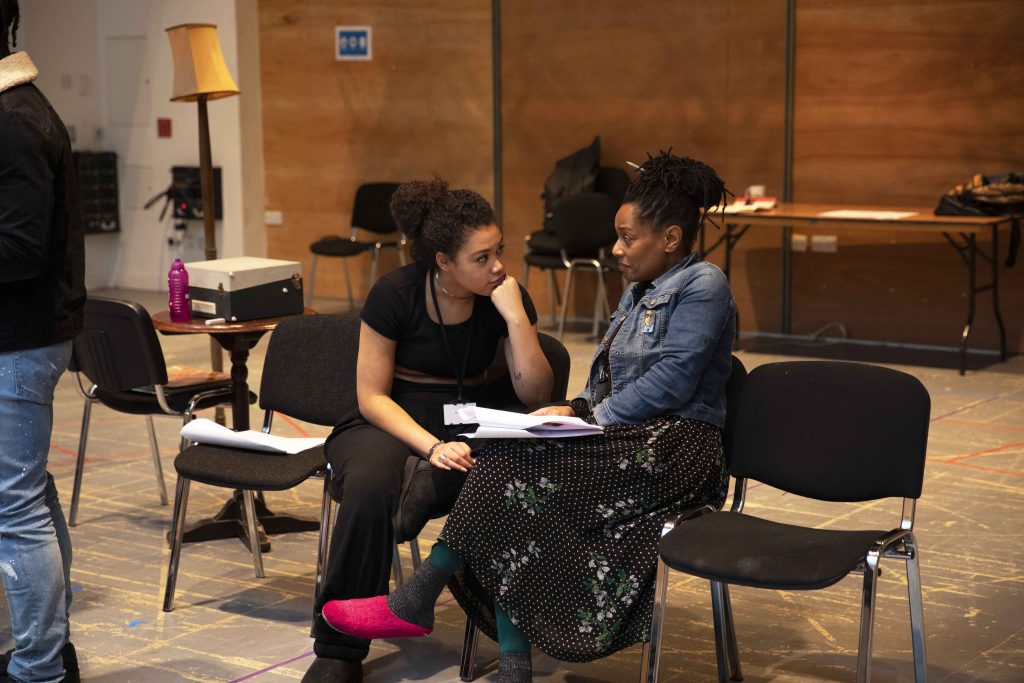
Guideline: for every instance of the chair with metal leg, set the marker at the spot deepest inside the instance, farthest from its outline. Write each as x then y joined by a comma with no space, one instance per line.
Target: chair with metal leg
839,432
118,363
371,213
584,226
541,249
306,377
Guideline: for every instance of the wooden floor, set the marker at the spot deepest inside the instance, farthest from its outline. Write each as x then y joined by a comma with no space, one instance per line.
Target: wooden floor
229,626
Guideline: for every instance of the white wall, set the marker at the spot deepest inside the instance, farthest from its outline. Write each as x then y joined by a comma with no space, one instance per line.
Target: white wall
106,67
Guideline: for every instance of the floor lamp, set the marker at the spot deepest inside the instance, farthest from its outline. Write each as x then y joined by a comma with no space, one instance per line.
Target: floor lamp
200,74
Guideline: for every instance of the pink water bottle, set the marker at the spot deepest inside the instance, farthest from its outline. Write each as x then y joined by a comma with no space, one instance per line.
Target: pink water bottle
177,292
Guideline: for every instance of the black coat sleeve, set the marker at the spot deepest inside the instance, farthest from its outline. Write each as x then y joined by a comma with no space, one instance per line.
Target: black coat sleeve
26,200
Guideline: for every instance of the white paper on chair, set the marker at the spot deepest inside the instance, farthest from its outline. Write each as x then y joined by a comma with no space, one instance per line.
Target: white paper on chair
209,432
503,424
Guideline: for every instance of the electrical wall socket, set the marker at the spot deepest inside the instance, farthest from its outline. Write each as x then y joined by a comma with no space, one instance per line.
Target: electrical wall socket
798,242
273,217
825,243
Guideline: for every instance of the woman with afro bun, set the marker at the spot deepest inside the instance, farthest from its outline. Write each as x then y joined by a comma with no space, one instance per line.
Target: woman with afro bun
429,332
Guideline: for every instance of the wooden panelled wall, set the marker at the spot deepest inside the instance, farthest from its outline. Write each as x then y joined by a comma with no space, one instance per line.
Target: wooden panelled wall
895,101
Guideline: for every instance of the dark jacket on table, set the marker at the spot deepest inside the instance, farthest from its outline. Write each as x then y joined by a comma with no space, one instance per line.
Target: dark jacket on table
42,252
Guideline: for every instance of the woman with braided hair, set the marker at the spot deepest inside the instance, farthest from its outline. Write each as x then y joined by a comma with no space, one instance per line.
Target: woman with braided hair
553,543
428,333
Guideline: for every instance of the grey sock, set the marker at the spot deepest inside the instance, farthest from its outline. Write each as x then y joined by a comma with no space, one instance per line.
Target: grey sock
514,667
414,600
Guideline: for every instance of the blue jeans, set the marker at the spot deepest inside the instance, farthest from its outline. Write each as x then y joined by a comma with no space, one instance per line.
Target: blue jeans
35,548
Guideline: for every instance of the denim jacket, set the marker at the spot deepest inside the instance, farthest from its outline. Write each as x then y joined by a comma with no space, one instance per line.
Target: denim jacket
670,350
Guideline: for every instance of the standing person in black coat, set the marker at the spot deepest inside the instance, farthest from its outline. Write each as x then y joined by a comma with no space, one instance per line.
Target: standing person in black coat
42,293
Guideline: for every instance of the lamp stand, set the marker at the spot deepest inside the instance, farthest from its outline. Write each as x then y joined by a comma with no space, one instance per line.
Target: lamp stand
209,220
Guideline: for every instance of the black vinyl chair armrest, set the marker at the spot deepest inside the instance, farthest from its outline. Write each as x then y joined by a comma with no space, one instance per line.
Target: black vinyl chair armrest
885,544
685,516
201,397
695,512
90,394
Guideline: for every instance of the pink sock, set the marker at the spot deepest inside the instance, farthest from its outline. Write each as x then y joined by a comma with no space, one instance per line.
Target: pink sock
369,618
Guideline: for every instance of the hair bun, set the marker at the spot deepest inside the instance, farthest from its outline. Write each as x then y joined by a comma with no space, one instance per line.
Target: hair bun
412,202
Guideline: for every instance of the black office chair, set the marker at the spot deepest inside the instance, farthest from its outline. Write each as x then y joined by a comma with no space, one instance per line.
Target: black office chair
370,212
120,359
585,226
841,432
733,390
542,249
307,374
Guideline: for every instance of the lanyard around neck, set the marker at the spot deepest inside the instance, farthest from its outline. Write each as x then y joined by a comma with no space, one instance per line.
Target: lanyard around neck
460,372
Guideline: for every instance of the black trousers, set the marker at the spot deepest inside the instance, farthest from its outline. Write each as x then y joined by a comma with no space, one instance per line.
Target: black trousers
368,466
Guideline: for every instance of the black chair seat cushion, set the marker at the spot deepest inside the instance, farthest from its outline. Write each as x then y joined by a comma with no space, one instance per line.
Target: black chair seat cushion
243,469
139,402
343,246
543,242
551,262
749,551
543,252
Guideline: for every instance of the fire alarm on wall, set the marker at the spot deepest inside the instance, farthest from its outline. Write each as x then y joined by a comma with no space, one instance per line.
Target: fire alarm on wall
163,128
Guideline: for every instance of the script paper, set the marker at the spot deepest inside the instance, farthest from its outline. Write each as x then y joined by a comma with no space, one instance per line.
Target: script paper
502,424
209,432
861,214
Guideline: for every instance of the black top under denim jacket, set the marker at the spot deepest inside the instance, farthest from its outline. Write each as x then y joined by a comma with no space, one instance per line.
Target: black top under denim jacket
42,251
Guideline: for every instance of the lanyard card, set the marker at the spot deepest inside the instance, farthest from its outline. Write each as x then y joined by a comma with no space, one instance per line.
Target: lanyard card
451,412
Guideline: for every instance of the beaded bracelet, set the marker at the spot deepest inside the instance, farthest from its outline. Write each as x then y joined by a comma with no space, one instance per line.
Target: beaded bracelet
430,451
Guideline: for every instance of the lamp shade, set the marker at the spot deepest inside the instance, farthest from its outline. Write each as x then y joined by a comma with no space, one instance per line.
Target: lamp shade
199,67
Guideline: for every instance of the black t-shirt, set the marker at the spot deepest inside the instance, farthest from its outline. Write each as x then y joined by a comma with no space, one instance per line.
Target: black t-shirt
395,309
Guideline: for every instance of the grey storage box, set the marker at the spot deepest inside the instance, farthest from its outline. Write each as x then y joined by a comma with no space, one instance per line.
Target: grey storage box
245,288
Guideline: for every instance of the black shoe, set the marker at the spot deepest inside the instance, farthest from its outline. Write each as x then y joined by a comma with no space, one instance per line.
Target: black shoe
67,654
324,670
70,658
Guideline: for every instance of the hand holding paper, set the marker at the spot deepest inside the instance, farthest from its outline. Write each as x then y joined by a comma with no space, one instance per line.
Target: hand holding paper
503,424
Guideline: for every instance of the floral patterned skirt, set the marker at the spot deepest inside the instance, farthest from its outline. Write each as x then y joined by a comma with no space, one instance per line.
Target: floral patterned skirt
563,533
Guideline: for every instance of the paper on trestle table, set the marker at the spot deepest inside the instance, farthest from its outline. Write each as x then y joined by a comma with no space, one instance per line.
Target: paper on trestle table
209,432
504,424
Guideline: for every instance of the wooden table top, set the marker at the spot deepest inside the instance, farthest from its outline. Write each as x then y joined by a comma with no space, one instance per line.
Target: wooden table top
809,214
162,321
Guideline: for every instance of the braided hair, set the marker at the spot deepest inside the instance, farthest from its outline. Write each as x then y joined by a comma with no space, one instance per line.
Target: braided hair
436,218
671,190
9,16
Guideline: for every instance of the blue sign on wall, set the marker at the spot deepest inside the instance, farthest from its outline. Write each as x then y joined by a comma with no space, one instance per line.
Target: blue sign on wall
353,43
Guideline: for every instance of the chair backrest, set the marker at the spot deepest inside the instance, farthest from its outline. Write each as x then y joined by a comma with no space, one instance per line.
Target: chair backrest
118,349
559,360
832,431
557,357
613,182
310,368
371,208
584,222
733,392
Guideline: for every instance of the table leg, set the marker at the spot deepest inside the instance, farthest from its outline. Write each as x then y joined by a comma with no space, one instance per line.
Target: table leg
787,280
730,242
971,259
995,293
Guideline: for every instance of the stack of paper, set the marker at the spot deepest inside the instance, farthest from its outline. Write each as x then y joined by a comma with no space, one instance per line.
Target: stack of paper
502,424
209,432
748,205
